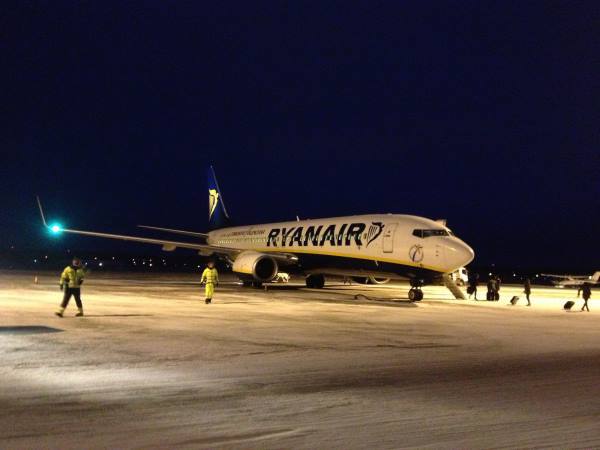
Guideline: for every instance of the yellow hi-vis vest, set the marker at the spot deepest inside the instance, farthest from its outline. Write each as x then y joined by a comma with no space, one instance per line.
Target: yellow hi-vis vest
210,276
73,276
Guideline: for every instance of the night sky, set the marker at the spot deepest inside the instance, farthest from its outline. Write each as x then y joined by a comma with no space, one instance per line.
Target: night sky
483,113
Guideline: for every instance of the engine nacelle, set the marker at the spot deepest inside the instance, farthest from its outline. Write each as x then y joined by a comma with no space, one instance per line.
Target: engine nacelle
378,280
370,280
257,265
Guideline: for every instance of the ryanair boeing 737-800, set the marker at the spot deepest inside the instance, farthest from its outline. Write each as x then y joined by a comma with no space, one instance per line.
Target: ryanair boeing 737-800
373,247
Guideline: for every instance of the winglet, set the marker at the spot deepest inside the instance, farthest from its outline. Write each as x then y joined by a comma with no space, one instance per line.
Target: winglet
41,211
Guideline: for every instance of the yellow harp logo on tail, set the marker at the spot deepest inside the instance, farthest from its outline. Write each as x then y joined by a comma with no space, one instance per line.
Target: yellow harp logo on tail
213,199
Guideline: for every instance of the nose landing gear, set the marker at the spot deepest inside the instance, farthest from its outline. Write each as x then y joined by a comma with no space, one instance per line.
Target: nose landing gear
415,294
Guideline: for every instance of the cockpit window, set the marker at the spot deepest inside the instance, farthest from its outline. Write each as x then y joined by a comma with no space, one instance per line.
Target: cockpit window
429,233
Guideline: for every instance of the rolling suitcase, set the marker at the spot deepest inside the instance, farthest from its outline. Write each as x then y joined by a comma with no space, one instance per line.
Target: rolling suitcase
514,300
569,305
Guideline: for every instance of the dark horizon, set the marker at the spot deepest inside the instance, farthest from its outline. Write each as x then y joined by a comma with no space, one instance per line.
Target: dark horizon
482,113
54,259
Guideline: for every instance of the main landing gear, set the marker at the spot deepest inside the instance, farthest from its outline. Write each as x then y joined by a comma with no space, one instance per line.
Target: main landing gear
415,294
315,281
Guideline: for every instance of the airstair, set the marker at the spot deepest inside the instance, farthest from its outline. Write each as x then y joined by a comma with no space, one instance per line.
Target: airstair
452,287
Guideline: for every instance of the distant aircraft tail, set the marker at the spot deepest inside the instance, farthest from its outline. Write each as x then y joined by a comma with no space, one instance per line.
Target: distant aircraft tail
217,213
596,277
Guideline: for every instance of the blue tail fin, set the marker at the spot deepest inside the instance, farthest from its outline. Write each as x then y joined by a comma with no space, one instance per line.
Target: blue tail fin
217,213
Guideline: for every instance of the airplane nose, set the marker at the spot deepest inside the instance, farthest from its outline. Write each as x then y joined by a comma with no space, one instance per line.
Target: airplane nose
468,254
458,254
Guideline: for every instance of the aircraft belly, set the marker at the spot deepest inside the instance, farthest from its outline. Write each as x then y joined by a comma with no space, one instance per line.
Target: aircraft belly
338,265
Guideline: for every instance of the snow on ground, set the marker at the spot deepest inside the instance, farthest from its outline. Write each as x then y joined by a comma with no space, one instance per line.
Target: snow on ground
151,366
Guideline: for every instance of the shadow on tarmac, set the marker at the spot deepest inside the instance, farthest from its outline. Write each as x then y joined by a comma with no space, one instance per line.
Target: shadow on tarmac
29,329
119,315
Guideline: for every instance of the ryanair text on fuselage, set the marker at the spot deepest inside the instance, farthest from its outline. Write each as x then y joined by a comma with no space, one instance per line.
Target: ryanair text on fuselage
335,234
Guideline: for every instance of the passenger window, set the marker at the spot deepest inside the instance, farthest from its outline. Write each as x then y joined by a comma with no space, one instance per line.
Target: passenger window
429,233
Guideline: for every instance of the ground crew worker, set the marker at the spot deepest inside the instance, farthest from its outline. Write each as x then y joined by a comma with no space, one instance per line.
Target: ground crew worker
527,290
210,278
586,293
71,280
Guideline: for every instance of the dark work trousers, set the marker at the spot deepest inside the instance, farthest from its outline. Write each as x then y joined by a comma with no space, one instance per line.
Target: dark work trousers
75,292
585,305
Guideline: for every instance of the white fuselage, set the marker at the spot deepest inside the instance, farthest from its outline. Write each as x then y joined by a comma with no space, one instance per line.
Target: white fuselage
377,244
576,282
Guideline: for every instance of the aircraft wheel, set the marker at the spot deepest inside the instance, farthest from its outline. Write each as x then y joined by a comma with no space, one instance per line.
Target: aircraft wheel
320,281
315,281
310,282
415,295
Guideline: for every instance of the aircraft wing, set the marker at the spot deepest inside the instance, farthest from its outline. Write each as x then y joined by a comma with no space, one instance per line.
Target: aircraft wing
564,277
171,230
167,245
552,275
203,249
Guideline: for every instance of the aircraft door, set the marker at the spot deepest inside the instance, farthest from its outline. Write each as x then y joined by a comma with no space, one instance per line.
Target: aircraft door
388,237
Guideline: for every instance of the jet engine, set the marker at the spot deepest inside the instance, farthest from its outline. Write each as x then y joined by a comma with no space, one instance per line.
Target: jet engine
257,265
370,280
378,280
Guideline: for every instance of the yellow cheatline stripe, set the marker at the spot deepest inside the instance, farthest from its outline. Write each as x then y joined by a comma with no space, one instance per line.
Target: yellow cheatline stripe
345,255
